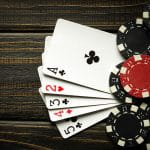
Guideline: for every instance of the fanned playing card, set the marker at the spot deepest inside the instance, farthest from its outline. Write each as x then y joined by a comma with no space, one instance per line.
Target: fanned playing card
62,101
76,66
74,125
54,86
65,88
81,55
61,114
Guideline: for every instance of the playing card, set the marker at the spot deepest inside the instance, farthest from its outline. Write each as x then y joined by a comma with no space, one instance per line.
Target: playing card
61,114
55,86
60,101
72,126
72,89
47,45
81,55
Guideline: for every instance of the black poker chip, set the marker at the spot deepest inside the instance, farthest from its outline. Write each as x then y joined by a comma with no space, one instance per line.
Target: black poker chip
147,143
116,88
146,107
146,15
133,38
127,126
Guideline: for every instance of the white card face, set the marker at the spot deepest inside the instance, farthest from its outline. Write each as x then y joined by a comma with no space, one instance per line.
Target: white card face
73,89
81,55
61,114
55,86
60,101
76,125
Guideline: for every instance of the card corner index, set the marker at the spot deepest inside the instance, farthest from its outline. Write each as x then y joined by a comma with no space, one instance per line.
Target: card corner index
50,116
61,131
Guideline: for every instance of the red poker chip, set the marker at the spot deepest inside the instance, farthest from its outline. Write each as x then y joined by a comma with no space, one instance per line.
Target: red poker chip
135,76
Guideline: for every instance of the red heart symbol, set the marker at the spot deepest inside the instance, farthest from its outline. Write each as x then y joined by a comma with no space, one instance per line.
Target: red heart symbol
69,111
60,88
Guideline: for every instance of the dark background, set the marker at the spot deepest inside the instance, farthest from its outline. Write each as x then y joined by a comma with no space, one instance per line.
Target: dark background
24,122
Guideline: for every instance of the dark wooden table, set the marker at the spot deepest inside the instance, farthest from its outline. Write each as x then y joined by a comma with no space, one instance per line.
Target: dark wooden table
24,122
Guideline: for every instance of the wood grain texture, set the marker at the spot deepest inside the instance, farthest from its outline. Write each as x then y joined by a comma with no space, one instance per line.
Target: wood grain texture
43,136
23,27
41,15
20,55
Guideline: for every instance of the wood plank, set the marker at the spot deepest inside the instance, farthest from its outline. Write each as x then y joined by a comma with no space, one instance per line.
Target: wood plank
43,136
41,15
23,108
20,55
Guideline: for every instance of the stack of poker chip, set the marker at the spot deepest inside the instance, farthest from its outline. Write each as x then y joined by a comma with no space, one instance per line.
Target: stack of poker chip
128,125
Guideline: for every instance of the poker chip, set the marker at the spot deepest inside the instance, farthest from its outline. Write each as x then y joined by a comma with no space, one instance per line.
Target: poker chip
147,143
116,88
146,107
127,125
135,76
146,15
133,38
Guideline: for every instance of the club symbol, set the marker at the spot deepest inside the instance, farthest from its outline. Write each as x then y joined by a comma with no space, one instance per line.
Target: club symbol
78,125
65,101
62,72
73,119
91,57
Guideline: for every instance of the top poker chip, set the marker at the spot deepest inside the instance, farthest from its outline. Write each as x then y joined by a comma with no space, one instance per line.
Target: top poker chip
127,125
133,38
135,76
146,15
